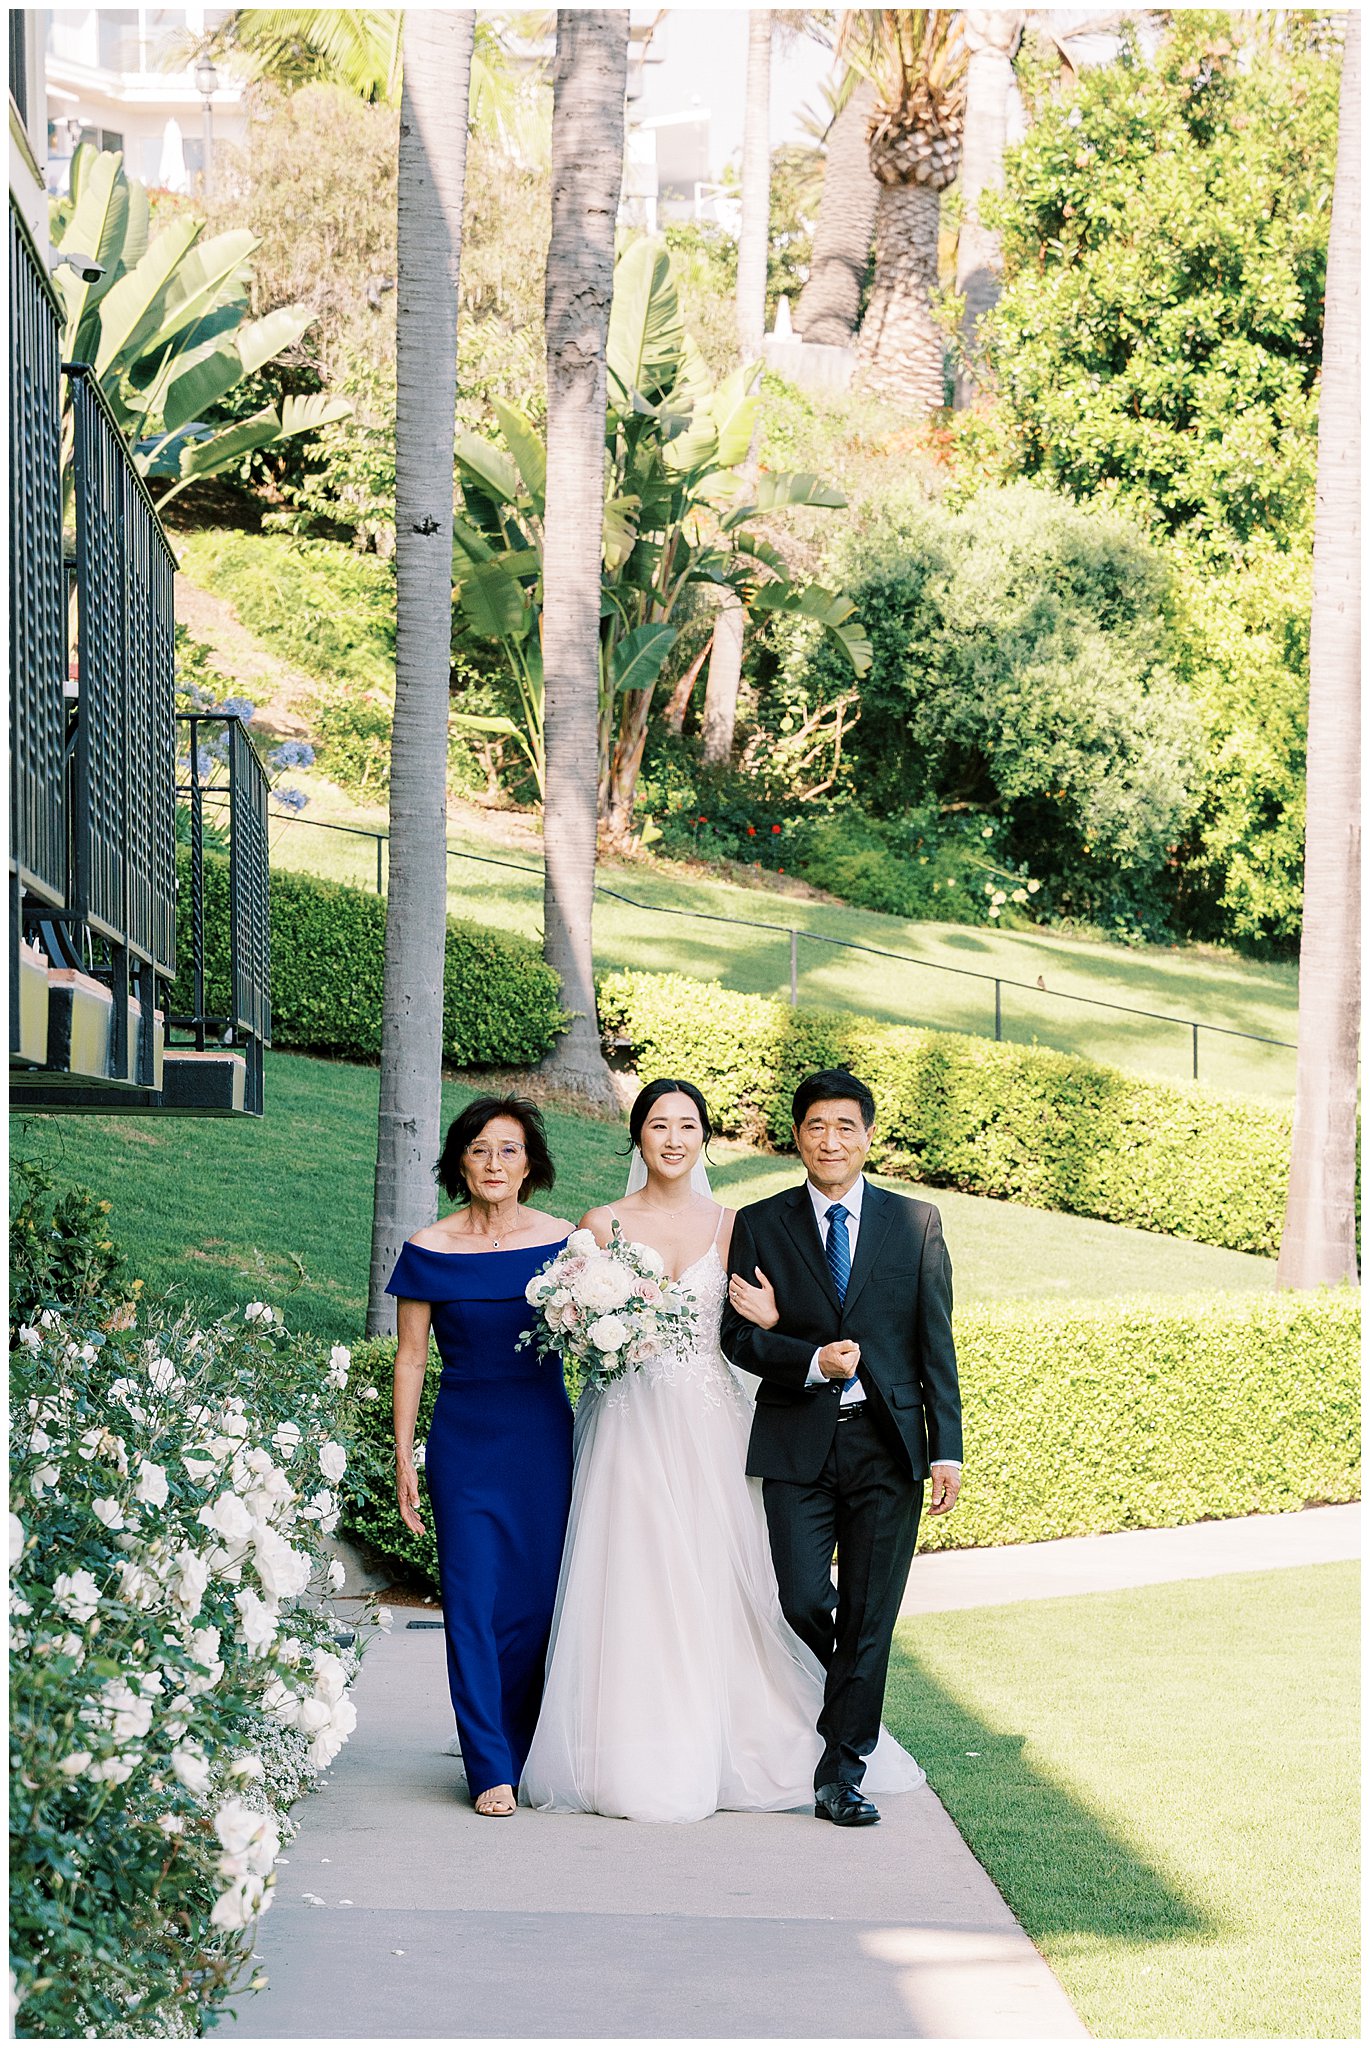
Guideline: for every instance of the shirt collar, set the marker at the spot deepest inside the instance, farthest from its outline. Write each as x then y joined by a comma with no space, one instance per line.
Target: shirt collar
851,1201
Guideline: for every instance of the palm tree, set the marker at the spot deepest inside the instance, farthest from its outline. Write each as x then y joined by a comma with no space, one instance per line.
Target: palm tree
589,84
831,299
915,58
753,246
432,178
992,37
1318,1244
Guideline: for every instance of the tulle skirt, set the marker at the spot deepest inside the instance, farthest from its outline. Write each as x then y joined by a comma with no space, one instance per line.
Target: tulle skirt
675,1688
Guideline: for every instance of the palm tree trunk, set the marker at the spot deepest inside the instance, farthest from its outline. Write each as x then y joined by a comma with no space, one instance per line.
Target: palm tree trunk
901,348
831,298
589,83
725,661
1319,1240
754,236
432,180
992,36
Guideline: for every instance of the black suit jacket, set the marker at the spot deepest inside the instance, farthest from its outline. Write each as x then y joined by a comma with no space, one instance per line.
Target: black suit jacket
897,1308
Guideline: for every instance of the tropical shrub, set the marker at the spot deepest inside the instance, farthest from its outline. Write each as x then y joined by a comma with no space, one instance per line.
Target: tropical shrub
1162,1412
178,1675
165,327
1018,1122
500,1000
1022,672
61,1250
1164,226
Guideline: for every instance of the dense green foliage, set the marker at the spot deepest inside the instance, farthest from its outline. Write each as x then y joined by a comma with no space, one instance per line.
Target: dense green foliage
1015,1121
1163,1412
61,1251
500,999
1021,672
175,1676
1165,239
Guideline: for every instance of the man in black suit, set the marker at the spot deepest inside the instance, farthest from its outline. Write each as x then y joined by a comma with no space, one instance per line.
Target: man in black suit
857,1409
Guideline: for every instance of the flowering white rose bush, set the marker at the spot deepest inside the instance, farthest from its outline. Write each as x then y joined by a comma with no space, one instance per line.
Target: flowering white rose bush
603,1309
178,1672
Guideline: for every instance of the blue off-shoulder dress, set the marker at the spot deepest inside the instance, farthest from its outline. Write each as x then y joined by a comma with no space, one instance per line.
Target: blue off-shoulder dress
498,1467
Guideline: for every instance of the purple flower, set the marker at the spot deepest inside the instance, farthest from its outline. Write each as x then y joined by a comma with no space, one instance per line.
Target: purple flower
237,707
293,754
293,799
204,763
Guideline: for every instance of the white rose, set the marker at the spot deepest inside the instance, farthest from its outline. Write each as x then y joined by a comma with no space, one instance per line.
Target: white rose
191,1766
163,1376
77,1594
282,1570
246,1833
332,1461
650,1258
227,1517
258,1312
172,1824
241,1904
371,1393
581,1243
109,1512
203,1649
137,1586
312,1715
246,1767
152,1484
604,1286
127,1714
75,1765
330,1676
115,1770
259,1620
609,1333
189,1581
286,1437
339,1360
44,1480
29,1337
16,1539
337,1577
200,1467
385,1620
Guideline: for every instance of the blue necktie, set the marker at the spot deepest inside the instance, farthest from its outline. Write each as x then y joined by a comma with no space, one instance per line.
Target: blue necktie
839,1251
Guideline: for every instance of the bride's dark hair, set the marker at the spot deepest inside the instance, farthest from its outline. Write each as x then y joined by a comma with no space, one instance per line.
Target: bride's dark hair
653,1093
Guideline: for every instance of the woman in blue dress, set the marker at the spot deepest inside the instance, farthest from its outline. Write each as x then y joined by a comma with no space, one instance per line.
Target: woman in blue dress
498,1461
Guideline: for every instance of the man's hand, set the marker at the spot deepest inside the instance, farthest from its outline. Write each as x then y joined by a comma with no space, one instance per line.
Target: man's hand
946,1484
839,1361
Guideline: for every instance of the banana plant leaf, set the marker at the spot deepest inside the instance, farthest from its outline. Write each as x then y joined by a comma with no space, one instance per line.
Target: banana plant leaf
491,468
494,602
131,310
799,488
529,452
637,660
646,333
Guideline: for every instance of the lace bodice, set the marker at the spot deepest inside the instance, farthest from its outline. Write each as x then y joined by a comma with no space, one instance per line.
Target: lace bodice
702,1366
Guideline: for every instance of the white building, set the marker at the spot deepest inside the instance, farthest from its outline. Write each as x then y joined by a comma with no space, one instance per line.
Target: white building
125,78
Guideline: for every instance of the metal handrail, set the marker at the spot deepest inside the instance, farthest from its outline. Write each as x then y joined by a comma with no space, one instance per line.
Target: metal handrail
1193,1025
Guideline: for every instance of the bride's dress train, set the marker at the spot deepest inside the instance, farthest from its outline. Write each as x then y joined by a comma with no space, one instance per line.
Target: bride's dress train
675,1687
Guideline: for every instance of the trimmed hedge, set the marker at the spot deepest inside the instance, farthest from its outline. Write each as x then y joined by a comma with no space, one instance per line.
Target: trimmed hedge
1125,1414
501,1002
1022,1123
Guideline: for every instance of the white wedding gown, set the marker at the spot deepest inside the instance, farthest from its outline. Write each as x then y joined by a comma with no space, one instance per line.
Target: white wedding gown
675,1687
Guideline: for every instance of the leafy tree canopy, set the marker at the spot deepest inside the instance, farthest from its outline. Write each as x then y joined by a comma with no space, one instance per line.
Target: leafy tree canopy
1165,240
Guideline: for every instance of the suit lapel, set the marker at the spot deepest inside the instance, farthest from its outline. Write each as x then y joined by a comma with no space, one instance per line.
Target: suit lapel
877,1214
803,1228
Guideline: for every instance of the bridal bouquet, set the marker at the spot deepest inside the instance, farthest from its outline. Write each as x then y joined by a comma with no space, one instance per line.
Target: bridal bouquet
604,1309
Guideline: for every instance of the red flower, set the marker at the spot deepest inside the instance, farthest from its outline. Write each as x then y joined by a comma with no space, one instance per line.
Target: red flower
701,821
751,831
780,871
775,828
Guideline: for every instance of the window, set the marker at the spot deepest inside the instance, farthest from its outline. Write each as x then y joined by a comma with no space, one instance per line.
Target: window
118,32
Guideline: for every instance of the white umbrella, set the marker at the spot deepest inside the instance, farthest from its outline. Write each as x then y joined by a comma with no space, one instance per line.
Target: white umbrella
171,172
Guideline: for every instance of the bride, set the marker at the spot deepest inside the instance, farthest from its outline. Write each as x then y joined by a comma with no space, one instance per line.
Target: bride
675,1688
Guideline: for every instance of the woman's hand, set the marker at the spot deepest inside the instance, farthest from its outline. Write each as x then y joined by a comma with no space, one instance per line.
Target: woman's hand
757,1303
407,1488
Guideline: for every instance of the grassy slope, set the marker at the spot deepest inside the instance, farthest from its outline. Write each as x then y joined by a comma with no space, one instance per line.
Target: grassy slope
330,635
281,1208
1182,1850
1174,981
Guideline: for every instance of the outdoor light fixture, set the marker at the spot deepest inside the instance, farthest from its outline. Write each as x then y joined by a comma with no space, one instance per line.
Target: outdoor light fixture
207,84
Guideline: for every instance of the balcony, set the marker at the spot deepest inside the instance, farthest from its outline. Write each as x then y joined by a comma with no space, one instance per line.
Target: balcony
104,1015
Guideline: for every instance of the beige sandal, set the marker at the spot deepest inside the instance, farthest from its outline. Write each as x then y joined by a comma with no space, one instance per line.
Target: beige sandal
494,1812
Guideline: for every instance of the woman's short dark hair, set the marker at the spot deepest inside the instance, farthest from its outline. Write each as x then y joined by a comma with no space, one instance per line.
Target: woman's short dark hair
834,1084
464,1130
652,1094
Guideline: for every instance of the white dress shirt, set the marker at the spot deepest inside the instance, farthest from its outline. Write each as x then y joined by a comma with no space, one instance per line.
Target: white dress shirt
853,1394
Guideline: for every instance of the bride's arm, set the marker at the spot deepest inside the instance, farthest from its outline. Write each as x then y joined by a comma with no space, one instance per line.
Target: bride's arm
771,1353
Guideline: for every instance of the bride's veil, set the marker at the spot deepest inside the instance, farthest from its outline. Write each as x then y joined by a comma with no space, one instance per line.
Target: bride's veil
699,1181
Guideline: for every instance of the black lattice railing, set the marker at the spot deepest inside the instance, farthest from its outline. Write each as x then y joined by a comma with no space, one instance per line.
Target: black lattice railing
232,1009
37,586
19,61
123,880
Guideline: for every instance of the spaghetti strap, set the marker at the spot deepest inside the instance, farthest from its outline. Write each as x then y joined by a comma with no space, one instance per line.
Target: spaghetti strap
717,1227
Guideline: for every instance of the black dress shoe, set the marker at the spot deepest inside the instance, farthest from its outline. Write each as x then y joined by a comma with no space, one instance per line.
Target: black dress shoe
844,1806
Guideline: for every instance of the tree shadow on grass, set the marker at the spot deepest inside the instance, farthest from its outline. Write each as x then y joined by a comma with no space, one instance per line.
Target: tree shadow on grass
1062,1870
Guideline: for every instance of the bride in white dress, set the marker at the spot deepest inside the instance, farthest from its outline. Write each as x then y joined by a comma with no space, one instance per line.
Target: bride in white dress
675,1687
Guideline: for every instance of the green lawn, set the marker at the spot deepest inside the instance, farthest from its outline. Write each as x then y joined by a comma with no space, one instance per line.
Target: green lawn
1183,982
1164,1785
227,1210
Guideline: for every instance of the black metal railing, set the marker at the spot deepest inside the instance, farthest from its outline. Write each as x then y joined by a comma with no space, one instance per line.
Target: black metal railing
123,879
37,599
243,1020
19,61
1035,992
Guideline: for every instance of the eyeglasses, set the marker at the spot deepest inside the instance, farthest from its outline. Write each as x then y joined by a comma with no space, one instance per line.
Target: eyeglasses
507,1154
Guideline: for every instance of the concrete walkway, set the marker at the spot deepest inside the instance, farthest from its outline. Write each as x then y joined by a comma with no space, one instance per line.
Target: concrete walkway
993,1577
435,1923
431,1922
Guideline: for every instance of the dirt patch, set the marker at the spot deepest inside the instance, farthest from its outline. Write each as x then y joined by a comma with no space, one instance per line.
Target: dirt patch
277,689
